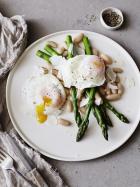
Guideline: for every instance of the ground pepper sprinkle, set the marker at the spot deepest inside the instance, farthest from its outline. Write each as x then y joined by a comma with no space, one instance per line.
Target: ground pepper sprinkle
111,18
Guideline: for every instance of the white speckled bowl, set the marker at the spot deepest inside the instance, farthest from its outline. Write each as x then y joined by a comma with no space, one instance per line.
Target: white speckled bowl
119,12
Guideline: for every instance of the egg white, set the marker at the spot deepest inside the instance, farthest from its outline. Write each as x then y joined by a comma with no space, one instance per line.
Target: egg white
81,71
36,85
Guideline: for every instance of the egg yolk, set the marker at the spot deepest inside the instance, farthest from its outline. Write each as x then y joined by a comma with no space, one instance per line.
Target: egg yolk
41,117
47,101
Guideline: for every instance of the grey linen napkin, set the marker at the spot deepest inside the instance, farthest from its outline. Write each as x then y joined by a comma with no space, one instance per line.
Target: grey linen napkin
13,34
50,174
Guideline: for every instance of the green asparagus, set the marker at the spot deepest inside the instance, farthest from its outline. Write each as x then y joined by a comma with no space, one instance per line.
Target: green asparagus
69,44
97,113
77,115
105,116
75,106
90,93
118,114
51,51
43,55
85,122
87,46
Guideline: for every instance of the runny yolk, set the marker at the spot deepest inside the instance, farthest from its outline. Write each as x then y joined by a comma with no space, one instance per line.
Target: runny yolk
47,101
41,117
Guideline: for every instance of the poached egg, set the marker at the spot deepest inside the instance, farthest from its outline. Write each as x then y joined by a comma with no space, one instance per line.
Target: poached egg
82,71
46,94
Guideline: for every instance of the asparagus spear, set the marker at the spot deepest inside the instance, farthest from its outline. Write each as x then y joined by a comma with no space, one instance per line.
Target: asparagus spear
118,114
88,51
105,115
87,45
70,46
91,94
51,51
85,122
73,89
75,106
97,113
43,55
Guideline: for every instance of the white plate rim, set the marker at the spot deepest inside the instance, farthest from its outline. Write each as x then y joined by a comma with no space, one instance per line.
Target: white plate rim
12,117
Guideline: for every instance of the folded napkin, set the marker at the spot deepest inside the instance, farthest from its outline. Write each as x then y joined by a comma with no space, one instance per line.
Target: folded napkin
50,174
13,37
13,34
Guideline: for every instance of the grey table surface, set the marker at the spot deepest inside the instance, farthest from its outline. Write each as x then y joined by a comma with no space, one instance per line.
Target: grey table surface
122,167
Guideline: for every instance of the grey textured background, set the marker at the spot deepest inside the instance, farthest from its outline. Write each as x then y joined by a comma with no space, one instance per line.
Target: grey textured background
122,167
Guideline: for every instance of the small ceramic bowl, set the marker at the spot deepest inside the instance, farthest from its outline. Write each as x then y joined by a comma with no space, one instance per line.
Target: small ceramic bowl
105,11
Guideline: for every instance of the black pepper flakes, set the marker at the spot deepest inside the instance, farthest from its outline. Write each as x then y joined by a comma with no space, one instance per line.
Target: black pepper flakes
111,18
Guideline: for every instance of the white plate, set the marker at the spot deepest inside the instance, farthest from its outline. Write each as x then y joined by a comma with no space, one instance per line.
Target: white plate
56,141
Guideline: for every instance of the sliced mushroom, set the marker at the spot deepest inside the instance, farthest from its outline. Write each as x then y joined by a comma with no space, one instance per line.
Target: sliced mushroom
110,75
45,70
63,122
55,72
118,70
106,58
77,39
69,106
52,44
113,97
61,50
